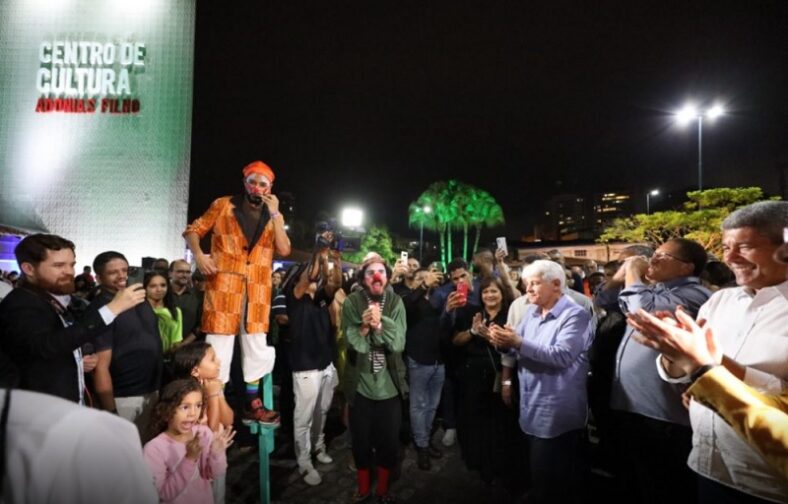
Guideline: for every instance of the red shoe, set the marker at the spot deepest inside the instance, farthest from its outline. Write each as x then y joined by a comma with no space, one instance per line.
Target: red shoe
259,414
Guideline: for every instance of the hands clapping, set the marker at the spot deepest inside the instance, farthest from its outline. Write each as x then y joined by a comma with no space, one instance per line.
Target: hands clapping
222,439
504,337
372,316
685,342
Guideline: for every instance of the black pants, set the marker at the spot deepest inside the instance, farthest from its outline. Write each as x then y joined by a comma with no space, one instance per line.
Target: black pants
559,471
652,459
374,425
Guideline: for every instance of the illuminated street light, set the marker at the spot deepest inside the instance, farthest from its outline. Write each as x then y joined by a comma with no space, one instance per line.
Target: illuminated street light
352,217
649,194
690,113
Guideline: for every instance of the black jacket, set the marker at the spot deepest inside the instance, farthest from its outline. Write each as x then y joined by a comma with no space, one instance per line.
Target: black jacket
32,335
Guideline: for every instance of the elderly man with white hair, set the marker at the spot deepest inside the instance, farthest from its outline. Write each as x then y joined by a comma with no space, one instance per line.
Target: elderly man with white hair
551,346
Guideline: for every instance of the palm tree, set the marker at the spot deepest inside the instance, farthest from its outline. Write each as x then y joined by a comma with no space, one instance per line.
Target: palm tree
485,212
455,205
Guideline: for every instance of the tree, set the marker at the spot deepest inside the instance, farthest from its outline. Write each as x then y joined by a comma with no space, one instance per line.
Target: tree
455,206
377,239
484,212
699,220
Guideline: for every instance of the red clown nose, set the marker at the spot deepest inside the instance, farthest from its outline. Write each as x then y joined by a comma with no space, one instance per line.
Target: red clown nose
377,277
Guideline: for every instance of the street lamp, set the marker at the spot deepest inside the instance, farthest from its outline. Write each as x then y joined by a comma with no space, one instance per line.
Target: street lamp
352,217
690,113
649,194
427,209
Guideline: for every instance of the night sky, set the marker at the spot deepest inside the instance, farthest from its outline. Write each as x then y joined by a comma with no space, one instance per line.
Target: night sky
369,102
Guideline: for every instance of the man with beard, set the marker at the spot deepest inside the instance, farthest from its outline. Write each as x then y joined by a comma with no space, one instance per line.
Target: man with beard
246,230
41,330
374,322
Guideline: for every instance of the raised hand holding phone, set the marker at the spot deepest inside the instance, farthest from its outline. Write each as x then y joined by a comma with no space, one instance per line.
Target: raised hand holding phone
501,243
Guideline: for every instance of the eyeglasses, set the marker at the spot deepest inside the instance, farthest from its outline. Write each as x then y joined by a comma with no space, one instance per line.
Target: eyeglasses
659,256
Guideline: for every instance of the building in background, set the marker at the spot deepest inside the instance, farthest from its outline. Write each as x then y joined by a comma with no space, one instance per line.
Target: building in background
95,137
609,206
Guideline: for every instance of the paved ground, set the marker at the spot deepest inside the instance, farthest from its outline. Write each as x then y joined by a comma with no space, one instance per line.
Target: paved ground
447,482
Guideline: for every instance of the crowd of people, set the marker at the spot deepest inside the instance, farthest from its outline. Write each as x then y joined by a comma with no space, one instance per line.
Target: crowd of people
675,362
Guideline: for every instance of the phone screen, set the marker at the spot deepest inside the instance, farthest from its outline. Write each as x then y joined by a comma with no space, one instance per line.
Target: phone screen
462,289
501,243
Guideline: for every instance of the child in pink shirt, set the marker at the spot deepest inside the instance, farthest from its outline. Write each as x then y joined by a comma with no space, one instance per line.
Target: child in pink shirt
185,456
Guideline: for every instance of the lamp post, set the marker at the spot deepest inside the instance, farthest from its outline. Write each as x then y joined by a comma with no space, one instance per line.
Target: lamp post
352,217
426,210
649,194
690,113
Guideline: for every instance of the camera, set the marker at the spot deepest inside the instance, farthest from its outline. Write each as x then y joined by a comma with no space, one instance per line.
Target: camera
321,242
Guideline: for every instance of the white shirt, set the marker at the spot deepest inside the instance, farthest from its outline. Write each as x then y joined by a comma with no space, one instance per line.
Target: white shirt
753,331
106,315
5,289
60,452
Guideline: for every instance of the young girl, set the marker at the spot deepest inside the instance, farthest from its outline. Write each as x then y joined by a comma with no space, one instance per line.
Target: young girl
198,360
185,455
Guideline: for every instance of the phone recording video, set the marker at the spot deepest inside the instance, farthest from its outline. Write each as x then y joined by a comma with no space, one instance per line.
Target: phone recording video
462,289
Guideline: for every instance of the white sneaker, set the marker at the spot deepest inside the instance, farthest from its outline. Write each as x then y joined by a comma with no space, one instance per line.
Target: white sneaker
323,457
311,476
449,437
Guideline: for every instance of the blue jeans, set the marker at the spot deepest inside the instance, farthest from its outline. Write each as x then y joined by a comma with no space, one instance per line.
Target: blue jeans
426,382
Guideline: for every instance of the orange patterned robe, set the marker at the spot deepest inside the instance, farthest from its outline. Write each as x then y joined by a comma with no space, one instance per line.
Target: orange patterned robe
240,270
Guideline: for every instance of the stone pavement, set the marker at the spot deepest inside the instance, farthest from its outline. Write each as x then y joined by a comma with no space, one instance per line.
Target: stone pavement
447,482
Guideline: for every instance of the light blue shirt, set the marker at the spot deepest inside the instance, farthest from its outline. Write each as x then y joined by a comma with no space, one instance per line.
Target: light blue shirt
637,388
552,365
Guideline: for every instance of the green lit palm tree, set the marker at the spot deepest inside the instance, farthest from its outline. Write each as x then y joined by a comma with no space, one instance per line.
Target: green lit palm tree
455,206
485,212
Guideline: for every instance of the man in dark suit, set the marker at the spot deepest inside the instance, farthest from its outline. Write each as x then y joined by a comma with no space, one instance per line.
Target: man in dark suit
40,329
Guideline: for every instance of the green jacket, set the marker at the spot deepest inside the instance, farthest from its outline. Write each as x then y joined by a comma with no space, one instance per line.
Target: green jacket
391,338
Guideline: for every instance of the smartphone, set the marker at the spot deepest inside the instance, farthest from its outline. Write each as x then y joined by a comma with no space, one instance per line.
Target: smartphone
501,241
136,275
462,288
403,256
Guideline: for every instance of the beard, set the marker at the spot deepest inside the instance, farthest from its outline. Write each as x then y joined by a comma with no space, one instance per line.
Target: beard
60,287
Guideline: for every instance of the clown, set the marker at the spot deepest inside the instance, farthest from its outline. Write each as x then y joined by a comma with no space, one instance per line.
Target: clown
247,229
374,322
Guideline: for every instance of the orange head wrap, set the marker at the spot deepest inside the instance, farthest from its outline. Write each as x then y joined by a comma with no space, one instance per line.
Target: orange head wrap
261,168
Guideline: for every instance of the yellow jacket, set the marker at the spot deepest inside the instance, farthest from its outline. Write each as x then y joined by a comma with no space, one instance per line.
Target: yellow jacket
762,420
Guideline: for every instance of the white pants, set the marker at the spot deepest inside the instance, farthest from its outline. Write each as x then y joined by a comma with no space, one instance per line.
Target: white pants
137,410
313,392
257,358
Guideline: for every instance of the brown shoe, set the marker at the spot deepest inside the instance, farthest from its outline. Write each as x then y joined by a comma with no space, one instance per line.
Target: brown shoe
259,414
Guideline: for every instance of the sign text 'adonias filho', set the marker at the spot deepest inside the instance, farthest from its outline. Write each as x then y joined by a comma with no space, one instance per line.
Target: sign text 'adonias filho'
81,76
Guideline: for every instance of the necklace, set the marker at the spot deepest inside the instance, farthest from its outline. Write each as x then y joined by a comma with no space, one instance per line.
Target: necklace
377,357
